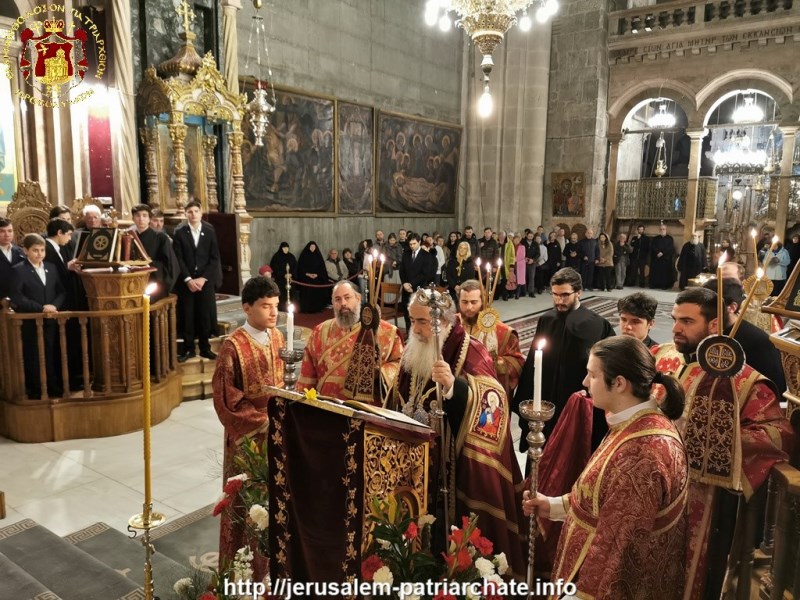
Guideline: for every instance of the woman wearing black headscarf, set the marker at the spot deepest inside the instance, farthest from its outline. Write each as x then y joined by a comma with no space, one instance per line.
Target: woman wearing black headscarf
279,261
311,272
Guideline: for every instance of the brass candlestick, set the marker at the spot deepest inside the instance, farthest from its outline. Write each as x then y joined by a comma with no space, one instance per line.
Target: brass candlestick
290,359
535,438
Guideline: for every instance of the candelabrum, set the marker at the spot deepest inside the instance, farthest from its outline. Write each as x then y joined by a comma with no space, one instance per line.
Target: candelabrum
290,359
146,521
535,438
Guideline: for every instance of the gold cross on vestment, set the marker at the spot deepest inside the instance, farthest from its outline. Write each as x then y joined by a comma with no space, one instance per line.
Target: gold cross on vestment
719,357
187,14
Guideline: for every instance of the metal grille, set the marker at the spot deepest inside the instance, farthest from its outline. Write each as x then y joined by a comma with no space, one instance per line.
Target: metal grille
663,198
706,198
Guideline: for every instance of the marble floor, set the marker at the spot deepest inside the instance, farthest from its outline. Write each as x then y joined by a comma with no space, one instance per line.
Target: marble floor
66,486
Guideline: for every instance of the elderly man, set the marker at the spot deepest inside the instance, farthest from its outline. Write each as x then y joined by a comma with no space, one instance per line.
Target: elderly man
334,266
337,346
481,460
501,341
724,471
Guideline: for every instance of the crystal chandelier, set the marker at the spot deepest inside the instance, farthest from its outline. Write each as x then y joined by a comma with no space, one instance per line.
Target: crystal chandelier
749,112
486,23
739,158
662,119
259,109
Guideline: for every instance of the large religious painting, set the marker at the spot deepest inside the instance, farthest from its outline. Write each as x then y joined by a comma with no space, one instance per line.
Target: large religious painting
195,165
417,165
293,170
569,194
355,155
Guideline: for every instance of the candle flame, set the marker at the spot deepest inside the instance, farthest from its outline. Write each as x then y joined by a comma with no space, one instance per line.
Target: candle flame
759,273
488,267
478,262
775,239
375,253
383,258
753,232
290,308
721,260
151,289
499,262
542,343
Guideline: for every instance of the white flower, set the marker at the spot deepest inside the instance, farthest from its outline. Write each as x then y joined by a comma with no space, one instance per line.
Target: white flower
242,476
485,567
502,563
183,587
426,520
384,544
260,516
472,595
383,575
244,554
494,578
412,597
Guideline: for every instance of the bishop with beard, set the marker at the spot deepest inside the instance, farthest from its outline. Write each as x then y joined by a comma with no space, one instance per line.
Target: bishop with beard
483,474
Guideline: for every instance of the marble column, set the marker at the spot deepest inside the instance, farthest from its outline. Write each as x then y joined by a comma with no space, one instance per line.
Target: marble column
693,183
126,155
784,189
611,189
230,44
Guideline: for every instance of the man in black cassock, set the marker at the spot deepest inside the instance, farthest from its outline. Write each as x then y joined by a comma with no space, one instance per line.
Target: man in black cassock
639,258
570,331
692,260
159,247
590,255
662,259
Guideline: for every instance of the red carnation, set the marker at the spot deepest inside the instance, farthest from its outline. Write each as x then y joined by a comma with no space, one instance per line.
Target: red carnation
412,531
221,505
442,596
457,536
208,596
233,486
368,567
483,545
464,559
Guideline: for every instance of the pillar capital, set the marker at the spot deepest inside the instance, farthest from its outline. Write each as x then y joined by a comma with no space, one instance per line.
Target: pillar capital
789,129
697,134
234,4
615,138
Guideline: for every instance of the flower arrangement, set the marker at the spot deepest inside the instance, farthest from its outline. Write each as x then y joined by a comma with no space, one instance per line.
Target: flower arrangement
400,552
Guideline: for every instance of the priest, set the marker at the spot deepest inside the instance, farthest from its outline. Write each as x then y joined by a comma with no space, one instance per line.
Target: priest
248,362
499,339
724,471
662,260
692,260
483,474
341,356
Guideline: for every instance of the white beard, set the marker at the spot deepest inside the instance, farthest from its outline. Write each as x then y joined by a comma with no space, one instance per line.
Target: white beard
419,355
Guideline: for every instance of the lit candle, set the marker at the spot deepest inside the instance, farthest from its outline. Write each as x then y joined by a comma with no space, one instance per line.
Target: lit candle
380,276
753,234
497,277
720,298
146,397
537,376
478,273
746,303
290,327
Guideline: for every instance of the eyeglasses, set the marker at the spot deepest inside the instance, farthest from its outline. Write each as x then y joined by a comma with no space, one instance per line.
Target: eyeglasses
562,296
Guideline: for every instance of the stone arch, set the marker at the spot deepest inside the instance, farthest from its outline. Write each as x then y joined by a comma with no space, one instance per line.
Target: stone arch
774,85
678,91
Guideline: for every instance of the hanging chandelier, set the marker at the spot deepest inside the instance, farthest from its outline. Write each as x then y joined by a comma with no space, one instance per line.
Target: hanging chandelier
662,119
661,164
259,109
486,23
749,112
739,158
773,162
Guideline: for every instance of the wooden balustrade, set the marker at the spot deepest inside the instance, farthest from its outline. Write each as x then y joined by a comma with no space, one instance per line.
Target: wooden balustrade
110,372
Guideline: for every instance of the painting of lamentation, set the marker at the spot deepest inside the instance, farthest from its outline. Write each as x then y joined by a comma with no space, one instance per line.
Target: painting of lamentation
417,165
293,170
569,194
355,158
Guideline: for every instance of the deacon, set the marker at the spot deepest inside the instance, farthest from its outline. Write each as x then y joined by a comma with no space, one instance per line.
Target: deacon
248,362
484,476
723,470
500,340
159,248
341,356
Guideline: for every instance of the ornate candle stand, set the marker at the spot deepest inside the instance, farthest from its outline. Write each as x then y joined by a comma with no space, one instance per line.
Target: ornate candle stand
290,359
535,438
146,521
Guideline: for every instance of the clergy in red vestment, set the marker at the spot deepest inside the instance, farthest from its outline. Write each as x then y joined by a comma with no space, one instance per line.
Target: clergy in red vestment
624,534
499,339
723,470
483,473
338,353
248,362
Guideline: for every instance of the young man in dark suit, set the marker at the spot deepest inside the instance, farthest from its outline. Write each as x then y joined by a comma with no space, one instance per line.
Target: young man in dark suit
417,269
10,255
58,252
195,245
159,248
36,288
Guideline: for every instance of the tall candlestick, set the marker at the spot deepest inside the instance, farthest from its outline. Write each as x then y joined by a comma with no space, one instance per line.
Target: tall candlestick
496,277
537,375
753,234
775,240
478,273
290,327
380,279
146,399
746,303
720,298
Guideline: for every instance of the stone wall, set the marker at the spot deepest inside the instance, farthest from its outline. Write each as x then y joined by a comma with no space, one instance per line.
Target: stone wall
374,52
576,123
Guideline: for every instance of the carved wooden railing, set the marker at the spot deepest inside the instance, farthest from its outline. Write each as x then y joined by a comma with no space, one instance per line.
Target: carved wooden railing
163,335
690,15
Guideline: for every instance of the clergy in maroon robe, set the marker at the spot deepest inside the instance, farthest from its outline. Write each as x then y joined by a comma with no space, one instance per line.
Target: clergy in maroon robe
724,470
569,330
483,473
247,364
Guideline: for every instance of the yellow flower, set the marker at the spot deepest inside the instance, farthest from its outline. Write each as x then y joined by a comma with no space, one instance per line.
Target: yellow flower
311,394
